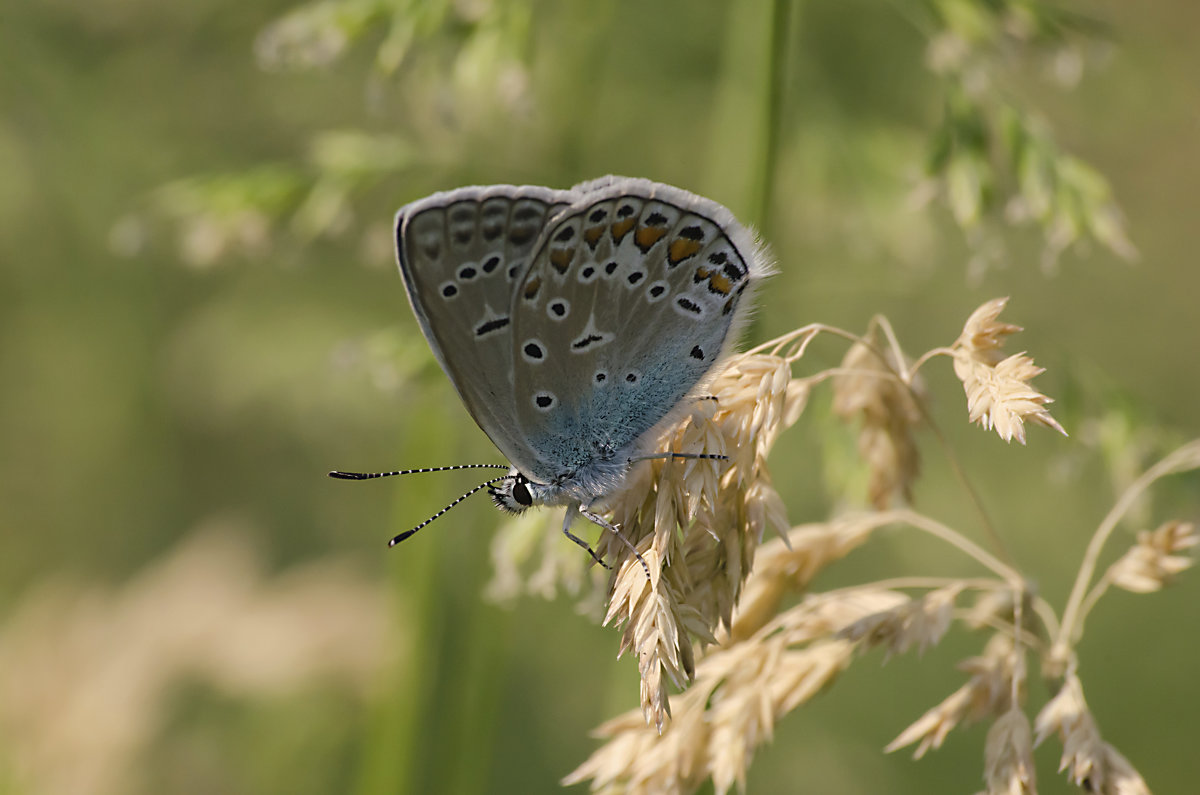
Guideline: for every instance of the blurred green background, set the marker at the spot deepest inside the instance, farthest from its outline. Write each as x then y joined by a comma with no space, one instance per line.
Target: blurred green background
200,316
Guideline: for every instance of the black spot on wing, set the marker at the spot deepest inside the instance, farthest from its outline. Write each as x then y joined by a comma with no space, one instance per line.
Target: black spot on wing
590,339
491,325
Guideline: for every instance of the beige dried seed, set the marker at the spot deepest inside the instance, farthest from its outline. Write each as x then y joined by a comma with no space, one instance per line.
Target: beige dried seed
868,389
921,622
1151,563
1000,397
1090,762
987,692
997,388
1008,756
983,335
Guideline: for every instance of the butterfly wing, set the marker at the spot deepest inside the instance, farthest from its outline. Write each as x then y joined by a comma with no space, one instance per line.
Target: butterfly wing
631,297
460,254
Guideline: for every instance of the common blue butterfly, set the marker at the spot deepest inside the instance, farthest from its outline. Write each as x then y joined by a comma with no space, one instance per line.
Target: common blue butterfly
574,324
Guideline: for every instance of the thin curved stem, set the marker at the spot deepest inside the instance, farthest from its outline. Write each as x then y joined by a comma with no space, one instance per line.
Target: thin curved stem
1184,459
925,583
926,356
956,539
972,494
1026,637
774,346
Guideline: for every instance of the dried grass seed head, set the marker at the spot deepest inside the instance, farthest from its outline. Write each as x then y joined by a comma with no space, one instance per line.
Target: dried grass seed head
983,334
869,389
1090,762
998,392
1008,756
1151,563
698,522
987,692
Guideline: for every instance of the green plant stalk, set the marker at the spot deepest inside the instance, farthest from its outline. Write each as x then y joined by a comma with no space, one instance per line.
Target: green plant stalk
772,112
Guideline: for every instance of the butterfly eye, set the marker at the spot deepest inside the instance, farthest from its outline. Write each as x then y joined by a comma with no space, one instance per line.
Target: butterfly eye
521,494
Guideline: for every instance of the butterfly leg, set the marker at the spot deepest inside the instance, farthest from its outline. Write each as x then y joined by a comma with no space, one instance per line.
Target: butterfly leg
572,511
600,520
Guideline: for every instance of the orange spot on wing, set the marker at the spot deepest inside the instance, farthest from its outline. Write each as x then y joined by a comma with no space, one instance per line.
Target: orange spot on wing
561,258
621,228
680,249
719,283
593,235
647,236
532,286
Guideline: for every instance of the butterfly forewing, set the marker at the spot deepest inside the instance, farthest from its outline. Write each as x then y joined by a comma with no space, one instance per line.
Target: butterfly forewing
628,303
461,255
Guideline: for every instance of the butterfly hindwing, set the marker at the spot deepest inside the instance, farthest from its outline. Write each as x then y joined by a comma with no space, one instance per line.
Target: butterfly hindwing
630,299
461,253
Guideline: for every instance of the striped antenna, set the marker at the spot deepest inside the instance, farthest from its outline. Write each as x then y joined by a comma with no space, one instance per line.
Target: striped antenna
408,533
368,475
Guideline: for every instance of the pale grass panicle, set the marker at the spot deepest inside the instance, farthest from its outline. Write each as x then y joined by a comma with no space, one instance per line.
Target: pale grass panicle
868,387
1151,563
1008,756
767,664
87,673
782,568
698,525
987,693
920,621
1090,762
740,691
998,392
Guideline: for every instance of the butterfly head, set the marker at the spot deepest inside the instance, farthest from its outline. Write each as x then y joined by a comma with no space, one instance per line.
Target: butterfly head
514,492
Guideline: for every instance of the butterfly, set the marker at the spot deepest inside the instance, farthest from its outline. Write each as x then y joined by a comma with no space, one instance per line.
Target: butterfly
574,324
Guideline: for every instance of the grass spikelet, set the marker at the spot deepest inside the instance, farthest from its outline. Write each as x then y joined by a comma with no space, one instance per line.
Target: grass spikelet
921,622
789,565
987,692
1091,763
998,392
1008,756
868,388
1151,563
702,519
